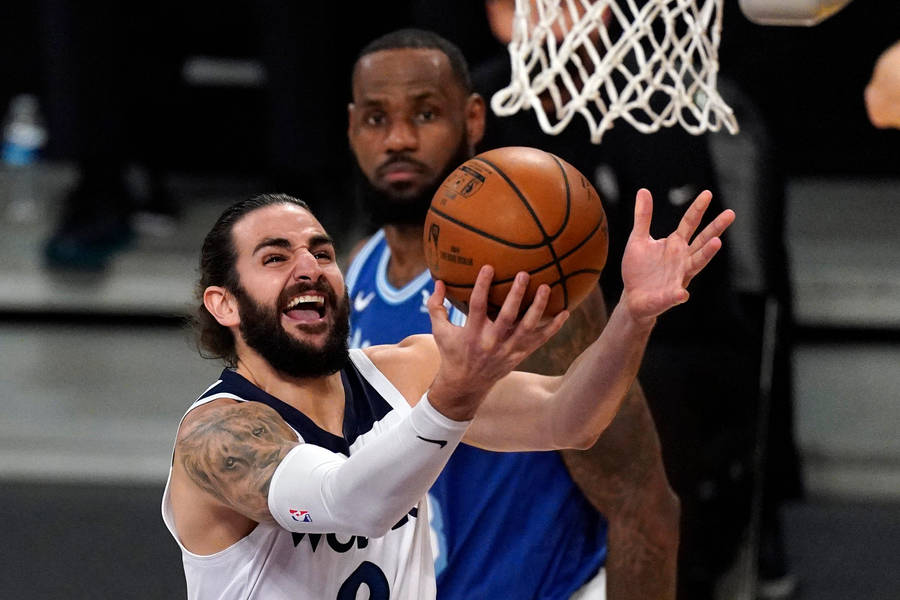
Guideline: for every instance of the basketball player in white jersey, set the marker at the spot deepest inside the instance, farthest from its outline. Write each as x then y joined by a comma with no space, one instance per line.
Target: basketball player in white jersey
301,473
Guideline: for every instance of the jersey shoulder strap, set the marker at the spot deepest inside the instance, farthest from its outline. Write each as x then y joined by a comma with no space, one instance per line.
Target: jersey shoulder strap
362,257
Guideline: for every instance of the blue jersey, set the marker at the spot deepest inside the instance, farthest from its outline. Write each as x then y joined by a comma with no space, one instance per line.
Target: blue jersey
506,525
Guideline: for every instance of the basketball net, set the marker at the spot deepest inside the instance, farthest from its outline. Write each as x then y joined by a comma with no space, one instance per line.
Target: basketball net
652,63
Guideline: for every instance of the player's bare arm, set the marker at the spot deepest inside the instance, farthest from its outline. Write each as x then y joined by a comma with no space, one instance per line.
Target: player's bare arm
245,458
250,468
525,411
459,365
231,450
622,475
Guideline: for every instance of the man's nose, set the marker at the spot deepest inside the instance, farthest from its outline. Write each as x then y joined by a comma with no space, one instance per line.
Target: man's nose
306,267
402,136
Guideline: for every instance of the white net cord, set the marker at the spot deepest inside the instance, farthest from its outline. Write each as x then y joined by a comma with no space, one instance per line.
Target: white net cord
653,63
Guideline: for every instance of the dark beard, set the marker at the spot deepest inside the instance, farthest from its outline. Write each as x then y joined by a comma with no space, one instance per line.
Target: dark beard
386,208
261,329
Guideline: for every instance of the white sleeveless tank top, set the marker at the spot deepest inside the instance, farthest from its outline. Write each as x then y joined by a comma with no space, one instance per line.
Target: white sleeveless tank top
272,563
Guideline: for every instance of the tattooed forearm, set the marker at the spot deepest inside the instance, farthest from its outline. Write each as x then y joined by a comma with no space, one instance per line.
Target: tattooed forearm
232,451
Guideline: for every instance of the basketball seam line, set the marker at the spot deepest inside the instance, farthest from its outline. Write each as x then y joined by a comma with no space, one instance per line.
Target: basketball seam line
563,276
525,201
485,234
548,241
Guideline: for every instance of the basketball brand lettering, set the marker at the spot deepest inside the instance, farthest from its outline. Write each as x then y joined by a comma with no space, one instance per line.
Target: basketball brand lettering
456,258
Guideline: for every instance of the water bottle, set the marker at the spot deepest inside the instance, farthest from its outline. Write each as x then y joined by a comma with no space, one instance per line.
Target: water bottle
24,135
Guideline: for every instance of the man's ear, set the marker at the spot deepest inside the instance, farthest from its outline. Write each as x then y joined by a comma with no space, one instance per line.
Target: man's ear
475,116
222,305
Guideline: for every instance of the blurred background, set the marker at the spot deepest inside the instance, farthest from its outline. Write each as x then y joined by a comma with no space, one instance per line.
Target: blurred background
128,129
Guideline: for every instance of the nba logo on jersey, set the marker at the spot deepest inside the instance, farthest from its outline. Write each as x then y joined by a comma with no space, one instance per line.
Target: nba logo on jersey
301,516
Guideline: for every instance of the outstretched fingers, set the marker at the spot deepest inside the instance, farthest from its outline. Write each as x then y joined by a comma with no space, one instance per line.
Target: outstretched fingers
701,258
707,243
534,329
713,230
436,309
547,328
509,312
643,214
525,334
694,214
478,299
535,312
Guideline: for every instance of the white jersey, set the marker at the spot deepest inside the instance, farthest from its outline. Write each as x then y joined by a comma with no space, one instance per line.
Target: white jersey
272,563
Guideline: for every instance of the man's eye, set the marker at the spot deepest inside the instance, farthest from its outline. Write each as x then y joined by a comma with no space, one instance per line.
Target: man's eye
273,258
427,115
323,255
375,119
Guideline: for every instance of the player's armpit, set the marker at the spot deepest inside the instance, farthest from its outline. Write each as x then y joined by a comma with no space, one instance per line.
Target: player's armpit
231,451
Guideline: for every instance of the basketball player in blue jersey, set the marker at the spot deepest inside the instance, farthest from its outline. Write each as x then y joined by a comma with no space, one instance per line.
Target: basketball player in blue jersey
301,473
413,119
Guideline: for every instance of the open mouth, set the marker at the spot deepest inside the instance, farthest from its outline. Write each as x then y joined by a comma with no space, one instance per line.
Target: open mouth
306,308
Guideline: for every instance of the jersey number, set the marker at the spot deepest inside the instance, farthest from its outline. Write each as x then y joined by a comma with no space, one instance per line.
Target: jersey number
369,575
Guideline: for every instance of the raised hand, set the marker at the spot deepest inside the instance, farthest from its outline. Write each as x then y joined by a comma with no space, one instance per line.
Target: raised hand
656,273
477,355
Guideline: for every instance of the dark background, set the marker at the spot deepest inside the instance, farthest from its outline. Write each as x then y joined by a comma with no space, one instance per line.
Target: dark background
809,81
72,540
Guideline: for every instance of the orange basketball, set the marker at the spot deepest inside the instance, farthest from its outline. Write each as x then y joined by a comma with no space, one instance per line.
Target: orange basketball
517,209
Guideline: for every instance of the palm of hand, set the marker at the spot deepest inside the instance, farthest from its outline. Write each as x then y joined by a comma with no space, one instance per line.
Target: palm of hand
476,361
656,273
476,356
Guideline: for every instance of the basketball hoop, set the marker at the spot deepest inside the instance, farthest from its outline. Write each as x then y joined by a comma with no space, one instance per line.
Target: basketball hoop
652,63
